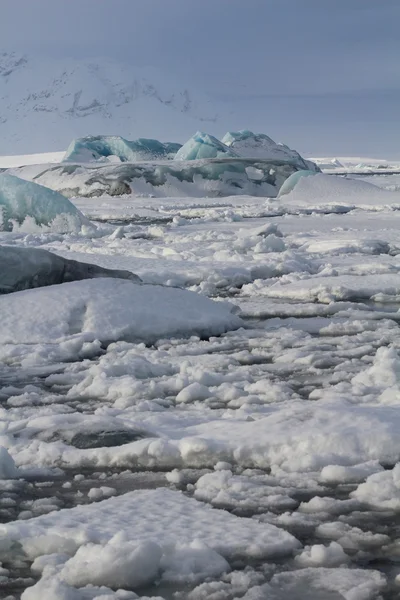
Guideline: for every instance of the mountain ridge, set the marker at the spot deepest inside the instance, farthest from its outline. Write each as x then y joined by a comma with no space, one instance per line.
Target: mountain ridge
44,103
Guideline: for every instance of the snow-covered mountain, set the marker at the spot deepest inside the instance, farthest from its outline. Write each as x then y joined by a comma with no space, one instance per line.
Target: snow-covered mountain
45,103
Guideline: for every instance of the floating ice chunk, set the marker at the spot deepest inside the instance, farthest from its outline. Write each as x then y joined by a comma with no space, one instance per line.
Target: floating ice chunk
322,556
204,145
110,310
292,181
356,473
118,564
259,145
191,393
24,268
8,470
192,562
103,147
320,584
26,205
168,518
381,490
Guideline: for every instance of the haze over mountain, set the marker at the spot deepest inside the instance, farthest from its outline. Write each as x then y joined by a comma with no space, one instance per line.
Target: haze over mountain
322,77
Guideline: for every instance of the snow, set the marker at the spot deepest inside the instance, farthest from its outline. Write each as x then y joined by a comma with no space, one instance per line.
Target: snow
203,145
26,205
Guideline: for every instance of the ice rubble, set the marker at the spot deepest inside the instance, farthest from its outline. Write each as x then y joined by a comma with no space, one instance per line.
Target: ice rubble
100,147
110,310
292,181
204,145
25,205
259,145
24,268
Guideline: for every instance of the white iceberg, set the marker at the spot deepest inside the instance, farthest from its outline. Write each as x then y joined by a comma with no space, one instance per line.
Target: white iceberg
24,268
247,144
110,310
25,205
204,145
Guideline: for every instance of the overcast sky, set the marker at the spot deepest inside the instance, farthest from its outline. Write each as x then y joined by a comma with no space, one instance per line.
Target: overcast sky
333,64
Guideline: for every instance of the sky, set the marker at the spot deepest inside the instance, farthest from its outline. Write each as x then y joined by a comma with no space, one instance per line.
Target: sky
322,74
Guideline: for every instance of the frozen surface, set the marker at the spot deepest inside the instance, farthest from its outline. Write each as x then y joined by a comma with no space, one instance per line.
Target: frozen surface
26,205
220,425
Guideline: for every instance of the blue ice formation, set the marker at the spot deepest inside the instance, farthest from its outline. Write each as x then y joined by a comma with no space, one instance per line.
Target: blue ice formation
259,145
22,200
293,180
204,145
100,147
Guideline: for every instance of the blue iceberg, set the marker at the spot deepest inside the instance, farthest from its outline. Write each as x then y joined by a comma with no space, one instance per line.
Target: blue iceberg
203,145
24,204
100,147
259,145
292,181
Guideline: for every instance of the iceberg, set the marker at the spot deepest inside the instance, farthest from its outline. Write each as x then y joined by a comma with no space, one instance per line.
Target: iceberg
24,204
25,268
204,145
259,145
102,147
290,183
214,177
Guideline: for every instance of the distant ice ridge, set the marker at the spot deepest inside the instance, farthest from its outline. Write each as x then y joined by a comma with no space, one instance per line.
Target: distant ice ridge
27,206
101,147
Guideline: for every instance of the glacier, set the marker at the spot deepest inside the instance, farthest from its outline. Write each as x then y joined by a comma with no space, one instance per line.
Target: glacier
259,145
204,145
100,147
25,205
25,268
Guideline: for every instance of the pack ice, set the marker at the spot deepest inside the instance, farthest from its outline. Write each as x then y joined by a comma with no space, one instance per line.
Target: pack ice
23,268
25,205
103,147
